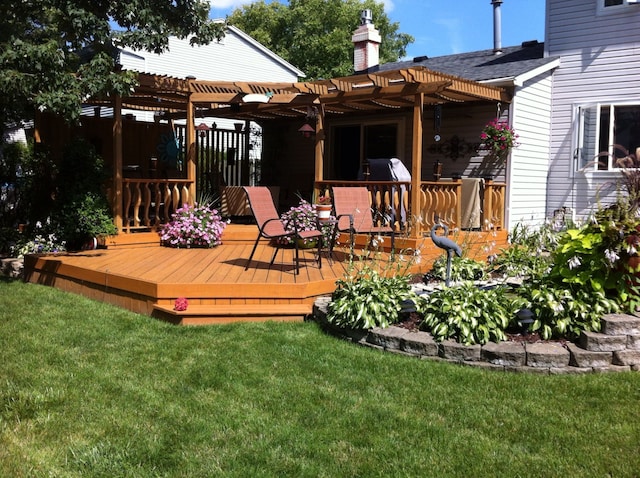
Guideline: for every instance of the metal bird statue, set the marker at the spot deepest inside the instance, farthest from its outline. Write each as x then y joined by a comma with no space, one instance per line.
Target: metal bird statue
443,242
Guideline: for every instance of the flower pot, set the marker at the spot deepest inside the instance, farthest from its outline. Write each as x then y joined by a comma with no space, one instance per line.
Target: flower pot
308,244
323,211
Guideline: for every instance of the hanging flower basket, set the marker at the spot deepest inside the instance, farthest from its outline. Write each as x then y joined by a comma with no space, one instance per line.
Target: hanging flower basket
498,137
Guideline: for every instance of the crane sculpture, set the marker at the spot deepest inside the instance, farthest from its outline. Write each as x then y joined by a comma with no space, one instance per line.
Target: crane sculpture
443,242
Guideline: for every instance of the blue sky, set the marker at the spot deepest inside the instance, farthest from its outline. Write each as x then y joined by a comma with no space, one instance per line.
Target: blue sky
443,27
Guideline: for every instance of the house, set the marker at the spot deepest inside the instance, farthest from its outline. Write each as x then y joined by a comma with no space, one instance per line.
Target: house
401,110
596,99
573,98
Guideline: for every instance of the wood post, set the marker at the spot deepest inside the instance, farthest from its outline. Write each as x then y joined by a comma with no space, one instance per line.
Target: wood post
416,166
117,164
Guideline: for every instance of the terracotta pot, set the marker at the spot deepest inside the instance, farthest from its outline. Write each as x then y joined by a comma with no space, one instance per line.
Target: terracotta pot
323,211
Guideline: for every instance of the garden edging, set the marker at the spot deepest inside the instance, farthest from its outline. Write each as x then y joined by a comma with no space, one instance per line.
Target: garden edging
616,349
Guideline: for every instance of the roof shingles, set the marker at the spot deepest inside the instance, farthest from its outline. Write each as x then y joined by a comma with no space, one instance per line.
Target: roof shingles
483,65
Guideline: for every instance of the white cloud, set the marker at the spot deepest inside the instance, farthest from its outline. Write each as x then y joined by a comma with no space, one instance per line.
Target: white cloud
228,4
388,5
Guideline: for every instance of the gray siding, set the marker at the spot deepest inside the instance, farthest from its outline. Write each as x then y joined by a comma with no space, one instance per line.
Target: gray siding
600,63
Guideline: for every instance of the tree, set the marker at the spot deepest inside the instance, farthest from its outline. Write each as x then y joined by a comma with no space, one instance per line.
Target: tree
55,53
315,35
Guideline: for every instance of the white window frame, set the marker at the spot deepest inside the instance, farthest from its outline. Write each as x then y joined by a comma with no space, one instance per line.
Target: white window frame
585,157
615,8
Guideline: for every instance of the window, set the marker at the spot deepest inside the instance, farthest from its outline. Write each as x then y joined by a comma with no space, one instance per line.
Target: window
607,133
614,5
354,143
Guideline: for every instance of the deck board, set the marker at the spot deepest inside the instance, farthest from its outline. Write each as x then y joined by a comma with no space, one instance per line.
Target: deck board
140,277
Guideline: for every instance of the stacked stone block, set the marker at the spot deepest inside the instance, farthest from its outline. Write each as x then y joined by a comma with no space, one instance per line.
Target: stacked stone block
615,348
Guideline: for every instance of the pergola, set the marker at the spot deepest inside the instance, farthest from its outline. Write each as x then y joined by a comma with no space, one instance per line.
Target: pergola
410,88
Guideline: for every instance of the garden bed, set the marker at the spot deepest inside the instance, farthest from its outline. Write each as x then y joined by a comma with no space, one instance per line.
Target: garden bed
521,353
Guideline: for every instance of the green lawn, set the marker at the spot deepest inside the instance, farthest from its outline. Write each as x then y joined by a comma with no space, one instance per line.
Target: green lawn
91,390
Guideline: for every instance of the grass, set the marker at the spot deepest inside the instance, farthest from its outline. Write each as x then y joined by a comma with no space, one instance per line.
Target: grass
89,390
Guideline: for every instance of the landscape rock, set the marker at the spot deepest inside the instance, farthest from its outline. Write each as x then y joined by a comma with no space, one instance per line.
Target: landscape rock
626,357
620,324
511,354
633,342
547,355
419,344
389,338
450,349
587,358
598,342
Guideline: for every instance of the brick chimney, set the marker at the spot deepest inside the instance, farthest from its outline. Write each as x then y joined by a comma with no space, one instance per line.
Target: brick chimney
366,44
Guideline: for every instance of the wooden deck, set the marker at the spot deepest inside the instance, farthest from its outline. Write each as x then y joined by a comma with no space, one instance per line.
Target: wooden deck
135,273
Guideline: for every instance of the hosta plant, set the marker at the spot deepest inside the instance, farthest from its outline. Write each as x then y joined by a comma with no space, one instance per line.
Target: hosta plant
467,314
368,300
565,312
462,268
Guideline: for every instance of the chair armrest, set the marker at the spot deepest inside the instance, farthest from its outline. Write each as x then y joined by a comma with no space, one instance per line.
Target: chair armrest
350,216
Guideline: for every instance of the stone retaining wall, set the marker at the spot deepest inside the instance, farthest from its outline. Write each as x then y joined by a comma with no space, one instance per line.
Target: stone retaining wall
615,349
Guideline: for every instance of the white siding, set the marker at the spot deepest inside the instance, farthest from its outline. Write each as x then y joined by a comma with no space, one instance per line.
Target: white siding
528,164
600,63
235,58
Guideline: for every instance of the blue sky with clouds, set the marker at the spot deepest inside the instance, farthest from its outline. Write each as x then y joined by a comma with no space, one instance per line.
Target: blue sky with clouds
443,27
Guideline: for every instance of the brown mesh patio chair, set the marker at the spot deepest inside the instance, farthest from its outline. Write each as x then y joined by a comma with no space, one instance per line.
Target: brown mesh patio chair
353,213
270,226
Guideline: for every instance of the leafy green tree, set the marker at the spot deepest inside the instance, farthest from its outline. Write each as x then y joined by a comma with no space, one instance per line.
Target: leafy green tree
54,53
315,35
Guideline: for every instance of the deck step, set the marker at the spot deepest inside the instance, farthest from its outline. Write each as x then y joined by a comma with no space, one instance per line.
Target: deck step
224,314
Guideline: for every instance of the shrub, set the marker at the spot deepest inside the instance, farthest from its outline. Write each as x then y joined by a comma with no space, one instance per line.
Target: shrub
368,300
193,226
467,314
462,268
565,312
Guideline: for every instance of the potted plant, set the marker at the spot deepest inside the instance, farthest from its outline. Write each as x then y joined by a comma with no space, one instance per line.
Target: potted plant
304,217
323,208
498,137
86,221
193,226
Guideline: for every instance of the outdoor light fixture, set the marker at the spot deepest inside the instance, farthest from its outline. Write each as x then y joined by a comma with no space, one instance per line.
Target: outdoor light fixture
257,98
525,319
202,128
307,130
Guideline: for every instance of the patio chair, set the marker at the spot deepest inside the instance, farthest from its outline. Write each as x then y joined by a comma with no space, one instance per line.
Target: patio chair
353,213
271,227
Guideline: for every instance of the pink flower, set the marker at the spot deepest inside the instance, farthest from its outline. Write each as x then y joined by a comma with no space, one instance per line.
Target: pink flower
181,304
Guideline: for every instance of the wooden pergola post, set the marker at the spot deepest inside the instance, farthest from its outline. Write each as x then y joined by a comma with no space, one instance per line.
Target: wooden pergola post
117,163
416,167
190,140
319,148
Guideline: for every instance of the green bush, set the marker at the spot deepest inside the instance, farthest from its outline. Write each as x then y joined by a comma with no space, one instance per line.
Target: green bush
368,300
462,268
467,314
563,311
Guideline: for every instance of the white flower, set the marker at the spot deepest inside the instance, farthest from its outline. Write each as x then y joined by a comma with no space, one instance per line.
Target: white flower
574,262
611,256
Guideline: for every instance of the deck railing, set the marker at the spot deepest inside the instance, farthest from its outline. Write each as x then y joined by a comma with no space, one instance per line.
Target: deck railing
391,203
149,203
